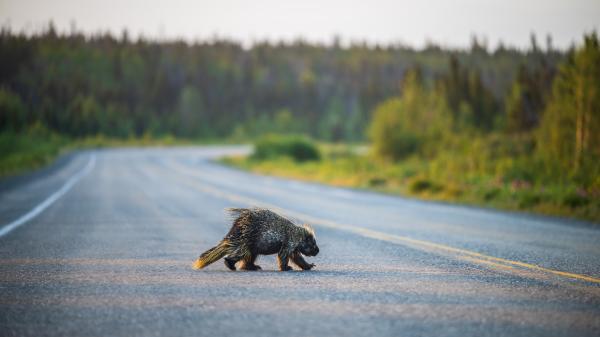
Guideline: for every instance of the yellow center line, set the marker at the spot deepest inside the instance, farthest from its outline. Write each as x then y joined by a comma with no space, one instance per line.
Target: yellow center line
369,233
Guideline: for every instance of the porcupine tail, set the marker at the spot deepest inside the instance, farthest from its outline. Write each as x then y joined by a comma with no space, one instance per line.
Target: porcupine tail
212,255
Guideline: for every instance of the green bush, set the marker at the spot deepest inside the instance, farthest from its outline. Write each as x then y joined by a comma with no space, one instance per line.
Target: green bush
298,148
511,170
422,184
29,149
491,194
377,181
574,200
528,199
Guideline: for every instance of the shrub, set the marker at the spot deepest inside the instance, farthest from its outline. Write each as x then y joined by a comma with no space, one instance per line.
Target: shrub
298,148
452,190
517,171
491,194
377,181
29,149
528,199
421,184
574,200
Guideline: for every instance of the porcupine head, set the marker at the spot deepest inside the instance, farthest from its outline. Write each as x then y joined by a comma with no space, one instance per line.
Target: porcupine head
308,245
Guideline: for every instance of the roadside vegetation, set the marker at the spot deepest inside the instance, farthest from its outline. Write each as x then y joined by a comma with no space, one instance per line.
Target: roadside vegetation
30,149
542,157
459,179
36,146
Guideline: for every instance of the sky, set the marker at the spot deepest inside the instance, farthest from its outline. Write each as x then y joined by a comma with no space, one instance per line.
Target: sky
450,23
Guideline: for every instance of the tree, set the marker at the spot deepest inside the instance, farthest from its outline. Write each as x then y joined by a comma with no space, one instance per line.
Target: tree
85,116
464,90
191,117
12,110
530,89
568,136
331,125
524,103
405,125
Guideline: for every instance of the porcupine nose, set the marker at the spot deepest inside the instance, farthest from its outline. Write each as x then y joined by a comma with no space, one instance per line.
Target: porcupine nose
316,251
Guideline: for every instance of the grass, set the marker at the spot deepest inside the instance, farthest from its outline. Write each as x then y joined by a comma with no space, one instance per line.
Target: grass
438,179
37,146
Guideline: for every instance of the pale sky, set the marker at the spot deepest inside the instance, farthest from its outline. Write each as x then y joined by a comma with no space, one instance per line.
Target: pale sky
449,22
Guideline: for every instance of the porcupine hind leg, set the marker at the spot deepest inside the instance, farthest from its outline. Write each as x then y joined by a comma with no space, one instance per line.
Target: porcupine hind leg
240,254
248,263
230,262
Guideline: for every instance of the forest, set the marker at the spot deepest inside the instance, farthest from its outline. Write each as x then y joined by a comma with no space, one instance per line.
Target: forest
85,85
439,121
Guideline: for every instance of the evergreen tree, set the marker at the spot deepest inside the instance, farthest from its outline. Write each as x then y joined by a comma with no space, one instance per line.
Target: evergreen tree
524,103
568,138
414,122
465,90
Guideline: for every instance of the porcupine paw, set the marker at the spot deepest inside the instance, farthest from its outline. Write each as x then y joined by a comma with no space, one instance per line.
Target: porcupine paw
251,267
310,266
286,268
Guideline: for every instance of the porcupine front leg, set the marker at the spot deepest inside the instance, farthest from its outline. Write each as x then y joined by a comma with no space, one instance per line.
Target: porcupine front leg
300,262
283,258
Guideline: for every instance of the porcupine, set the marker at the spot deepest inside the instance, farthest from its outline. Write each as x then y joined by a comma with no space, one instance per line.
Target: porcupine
262,232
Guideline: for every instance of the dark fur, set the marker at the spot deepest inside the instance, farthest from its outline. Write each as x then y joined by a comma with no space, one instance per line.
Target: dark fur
262,232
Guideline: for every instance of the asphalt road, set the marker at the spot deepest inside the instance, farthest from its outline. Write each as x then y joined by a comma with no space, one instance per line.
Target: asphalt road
102,245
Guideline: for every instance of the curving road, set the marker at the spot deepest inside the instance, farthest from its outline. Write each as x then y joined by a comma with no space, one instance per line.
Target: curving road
101,244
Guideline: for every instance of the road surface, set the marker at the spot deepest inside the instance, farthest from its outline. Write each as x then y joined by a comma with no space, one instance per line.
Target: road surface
102,245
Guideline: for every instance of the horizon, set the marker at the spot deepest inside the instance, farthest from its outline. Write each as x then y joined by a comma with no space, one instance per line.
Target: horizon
449,26
541,41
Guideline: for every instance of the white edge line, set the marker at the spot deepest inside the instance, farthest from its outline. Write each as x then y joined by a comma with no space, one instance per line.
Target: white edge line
51,199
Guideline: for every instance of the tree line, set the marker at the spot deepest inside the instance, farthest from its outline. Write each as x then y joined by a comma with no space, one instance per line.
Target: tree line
545,131
82,85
